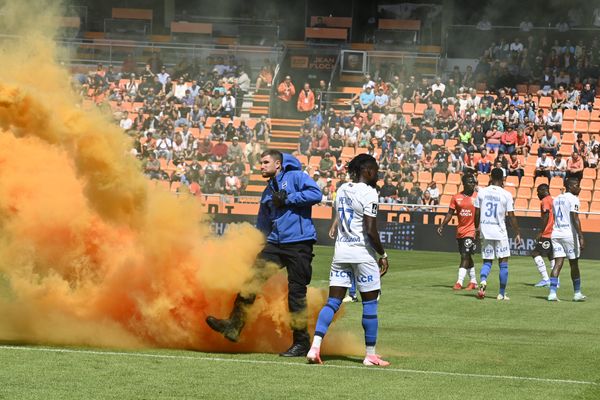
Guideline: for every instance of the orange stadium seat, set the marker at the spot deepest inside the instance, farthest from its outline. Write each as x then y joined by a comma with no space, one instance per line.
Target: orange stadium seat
534,207
511,190
585,196
424,177
419,108
453,179
408,108
556,182
521,204
524,193
450,189
445,199
539,180
582,115
439,178
527,181
569,115
594,208
581,126
595,116
545,102
586,184
512,181
594,127
569,126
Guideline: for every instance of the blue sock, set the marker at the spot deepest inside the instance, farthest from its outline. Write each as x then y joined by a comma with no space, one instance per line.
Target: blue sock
353,287
326,316
577,285
553,284
369,322
503,276
485,270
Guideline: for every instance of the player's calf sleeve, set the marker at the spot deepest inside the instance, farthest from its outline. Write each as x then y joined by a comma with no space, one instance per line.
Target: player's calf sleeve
541,266
553,284
503,276
472,275
485,270
462,272
326,316
577,285
369,321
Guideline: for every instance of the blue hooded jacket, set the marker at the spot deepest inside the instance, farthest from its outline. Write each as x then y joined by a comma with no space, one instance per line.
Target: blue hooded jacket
293,223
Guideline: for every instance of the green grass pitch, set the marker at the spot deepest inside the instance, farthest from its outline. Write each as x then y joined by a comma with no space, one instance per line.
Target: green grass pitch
442,345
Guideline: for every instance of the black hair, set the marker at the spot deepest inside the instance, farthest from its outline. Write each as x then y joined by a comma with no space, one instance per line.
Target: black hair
275,154
543,186
497,174
571,181
467,176
360,162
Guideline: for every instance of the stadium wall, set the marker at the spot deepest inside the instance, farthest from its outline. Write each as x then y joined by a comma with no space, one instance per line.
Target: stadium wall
417,231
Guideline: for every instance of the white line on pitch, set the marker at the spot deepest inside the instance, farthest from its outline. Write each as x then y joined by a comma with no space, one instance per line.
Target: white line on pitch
297,364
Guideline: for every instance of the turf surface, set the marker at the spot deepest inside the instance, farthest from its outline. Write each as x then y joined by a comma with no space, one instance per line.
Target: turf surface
442,345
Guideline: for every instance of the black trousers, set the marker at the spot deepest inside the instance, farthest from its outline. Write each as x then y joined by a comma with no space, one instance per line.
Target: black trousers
296,258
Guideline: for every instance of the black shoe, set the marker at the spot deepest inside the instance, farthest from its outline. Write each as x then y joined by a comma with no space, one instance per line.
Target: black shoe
225,327
297,350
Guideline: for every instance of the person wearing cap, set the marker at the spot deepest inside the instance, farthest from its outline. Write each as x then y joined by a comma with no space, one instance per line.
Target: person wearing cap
381,101
234,149
285,92
326,164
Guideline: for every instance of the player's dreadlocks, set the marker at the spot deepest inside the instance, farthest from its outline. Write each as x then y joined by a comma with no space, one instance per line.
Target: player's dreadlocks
358,163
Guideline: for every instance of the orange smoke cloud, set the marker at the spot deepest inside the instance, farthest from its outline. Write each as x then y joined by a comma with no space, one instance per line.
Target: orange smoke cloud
90,253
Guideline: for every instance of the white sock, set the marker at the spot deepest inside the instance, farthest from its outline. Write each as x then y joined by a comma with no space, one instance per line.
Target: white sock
541,266
472,275
370,350
462,272
317,342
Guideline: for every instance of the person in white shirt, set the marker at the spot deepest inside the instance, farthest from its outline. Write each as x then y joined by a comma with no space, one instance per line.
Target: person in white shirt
438,86
163,76
228,106
125,122
358,253
559,166
543,166
492,205
516,46
567,238
179,89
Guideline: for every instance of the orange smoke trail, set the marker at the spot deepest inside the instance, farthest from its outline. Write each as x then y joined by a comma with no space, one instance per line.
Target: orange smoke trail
89,253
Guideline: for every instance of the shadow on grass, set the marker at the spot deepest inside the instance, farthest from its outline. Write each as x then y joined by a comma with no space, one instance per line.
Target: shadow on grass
355,360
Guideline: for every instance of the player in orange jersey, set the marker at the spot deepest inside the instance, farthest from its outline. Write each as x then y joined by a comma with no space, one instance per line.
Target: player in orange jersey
462,205
543,247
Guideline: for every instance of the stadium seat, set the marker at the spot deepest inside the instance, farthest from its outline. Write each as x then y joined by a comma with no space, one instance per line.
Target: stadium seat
556,182
584,206
512,181
511,190
594,127
586,184
539,180
595,116
445,199
534,207
569,115
527,181
439,178
483,180
582,115
453,179
437,142
424,177
585,196
450,189
581,126
545,102
596,196
555,192
451,144
347,153
594,208
303,159
522,88
524,193
408,108
569,126
419,108
521,204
